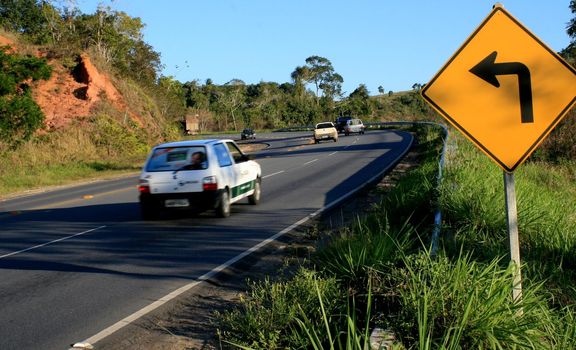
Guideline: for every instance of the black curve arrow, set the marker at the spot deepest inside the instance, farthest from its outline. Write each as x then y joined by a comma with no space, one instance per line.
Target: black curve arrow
487,70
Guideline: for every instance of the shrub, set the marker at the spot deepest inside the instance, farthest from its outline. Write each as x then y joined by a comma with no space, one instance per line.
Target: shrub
118,139
20,117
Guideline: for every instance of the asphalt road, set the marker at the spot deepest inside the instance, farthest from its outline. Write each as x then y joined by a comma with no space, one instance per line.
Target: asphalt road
75,261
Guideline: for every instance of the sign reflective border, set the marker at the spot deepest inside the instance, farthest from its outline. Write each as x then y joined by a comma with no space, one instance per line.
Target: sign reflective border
504,89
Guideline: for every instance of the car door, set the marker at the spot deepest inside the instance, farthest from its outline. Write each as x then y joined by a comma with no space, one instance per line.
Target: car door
244,173
227,174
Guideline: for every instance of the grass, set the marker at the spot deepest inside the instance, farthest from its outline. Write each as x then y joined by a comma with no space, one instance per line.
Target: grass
66,157
473,204
461,297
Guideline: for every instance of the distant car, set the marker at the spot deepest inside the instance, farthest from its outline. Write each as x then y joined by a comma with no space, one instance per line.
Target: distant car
197,175
354,126
248,134
325,131
340,123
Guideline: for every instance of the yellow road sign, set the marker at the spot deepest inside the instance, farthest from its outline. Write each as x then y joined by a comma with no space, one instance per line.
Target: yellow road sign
504,89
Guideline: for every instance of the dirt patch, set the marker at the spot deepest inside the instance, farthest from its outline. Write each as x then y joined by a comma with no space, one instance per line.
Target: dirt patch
189,322
252,147
70,95
73,94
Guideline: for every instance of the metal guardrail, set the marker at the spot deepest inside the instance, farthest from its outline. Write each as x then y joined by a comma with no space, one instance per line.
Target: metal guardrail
438,213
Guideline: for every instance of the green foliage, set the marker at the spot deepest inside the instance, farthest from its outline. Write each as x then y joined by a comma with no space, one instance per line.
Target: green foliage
267,317
20,116
347,335
372,244
402,106
263,106
357,104
414,196
560,145
25,17
473,204
117,38
465,304
116,138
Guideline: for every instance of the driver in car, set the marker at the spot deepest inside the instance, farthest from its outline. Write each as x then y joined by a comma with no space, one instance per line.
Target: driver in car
197,161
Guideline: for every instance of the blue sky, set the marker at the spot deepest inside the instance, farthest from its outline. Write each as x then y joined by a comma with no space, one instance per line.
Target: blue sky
387,43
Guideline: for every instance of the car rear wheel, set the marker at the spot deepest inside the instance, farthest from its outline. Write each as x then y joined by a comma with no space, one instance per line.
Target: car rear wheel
223,206
254,198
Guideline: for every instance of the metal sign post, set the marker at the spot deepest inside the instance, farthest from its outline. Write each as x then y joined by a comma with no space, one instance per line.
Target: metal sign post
512,220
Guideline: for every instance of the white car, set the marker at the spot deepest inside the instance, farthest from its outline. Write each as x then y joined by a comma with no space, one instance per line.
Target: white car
325,131
197,175
354,126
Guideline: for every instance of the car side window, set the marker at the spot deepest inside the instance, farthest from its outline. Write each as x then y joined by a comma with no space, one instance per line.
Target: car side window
235,152
222,155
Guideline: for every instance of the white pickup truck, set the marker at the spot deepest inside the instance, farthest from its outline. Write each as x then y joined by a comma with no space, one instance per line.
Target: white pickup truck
197,175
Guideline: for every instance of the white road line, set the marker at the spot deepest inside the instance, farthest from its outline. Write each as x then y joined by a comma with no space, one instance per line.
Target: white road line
276,173
333,153
51,242
312,161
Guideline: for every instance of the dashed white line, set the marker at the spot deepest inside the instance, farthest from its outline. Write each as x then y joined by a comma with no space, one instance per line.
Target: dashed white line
51,242
333,153
276,173
312,161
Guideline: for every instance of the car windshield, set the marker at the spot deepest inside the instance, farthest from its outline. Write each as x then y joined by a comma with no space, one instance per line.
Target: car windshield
247,131
177,158
324,125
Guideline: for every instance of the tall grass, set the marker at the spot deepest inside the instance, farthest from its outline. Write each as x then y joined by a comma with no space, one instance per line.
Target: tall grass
267,317
464,304
474,209
462,297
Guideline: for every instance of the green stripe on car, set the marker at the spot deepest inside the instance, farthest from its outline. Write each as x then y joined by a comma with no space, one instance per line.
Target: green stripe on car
243,188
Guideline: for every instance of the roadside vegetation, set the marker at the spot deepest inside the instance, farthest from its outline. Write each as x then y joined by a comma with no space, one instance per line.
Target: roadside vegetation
461,297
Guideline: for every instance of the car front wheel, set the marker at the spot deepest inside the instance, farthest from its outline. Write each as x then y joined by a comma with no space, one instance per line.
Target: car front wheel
254,198
223,205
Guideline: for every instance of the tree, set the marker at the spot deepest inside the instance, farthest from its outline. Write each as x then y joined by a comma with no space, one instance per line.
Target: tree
361,92
24,17
571,28
233,98
569,53
358,103
169,96
319,71
381,90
